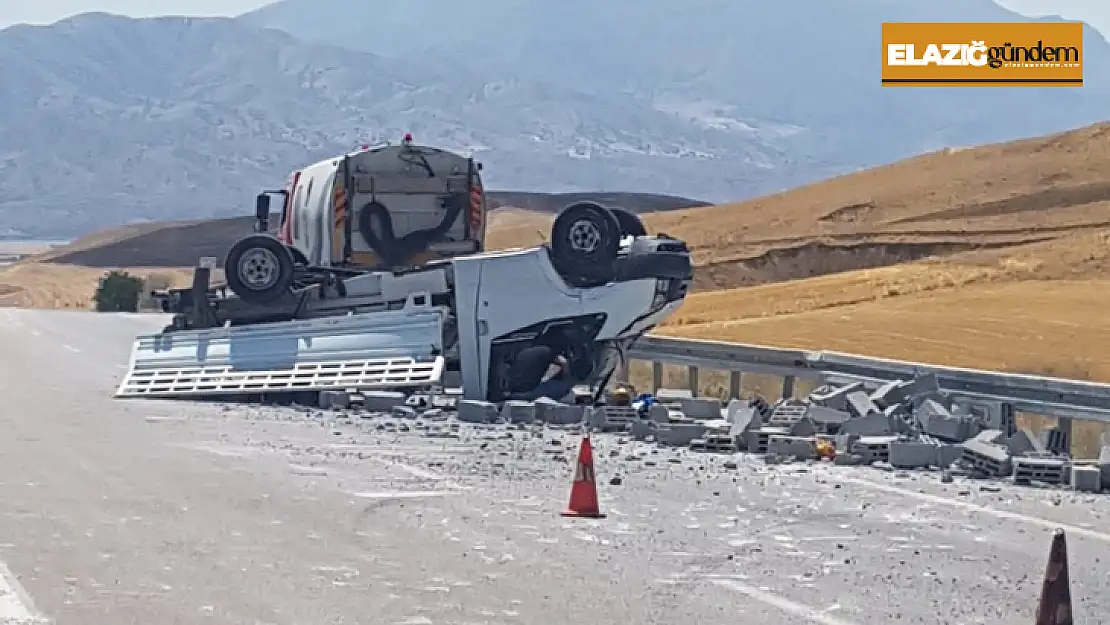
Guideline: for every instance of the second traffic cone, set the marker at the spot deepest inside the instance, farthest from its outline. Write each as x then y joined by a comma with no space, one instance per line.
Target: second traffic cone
583,491
1055,605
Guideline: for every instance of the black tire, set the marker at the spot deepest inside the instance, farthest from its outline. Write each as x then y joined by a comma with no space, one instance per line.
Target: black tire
259,268
630,223
299,259
585,239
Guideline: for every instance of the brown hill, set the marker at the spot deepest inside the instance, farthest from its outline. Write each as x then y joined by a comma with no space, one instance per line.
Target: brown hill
938,204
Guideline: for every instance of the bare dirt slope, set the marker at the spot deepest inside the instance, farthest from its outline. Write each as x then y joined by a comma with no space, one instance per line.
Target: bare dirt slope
932,205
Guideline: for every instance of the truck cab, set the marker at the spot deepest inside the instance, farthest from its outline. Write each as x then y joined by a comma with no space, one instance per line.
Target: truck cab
383,207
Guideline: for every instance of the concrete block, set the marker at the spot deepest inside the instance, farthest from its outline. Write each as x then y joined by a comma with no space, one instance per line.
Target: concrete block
643,429
334,400
451,379
516,411
659,413
762,408
1057,440
802,448
714,442
827,418
404,412
874,424
804,429
936,420
382,401
834,397
843,442
986,457
1104,463
860,404
418,401
679,434
701,408
672,395
787,413
434,414
900,423
1024,442
873,448
995,437
912,454
947,454
595,418
1045,470
848,460
757,440
742,416
614,417
888,394
1086,479
471,411
898,410
557,413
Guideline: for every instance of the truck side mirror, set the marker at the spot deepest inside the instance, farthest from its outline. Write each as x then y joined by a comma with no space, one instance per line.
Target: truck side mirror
262,211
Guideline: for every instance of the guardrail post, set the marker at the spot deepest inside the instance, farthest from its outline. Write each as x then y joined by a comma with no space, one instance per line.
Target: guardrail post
788,387
734,385
656,376
692,379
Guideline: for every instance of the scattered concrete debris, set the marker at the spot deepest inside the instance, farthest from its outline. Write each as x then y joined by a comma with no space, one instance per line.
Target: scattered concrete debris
897,425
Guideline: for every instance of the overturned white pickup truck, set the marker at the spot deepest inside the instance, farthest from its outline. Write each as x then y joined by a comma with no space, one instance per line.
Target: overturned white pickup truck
602,281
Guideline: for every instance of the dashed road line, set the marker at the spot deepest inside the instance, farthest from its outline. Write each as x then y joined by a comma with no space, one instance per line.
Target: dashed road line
16,607
974,507
789,606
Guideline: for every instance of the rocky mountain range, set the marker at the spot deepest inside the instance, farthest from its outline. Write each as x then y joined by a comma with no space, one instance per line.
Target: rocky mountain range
105,119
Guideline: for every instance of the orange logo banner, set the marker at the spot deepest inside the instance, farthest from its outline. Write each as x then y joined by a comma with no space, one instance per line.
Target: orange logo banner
1003,54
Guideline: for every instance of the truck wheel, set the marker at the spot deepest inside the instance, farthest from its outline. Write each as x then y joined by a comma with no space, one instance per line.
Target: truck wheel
585,239
299,259
259,268
630,223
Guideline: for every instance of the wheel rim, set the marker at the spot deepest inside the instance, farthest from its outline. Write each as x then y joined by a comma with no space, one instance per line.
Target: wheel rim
259,269
584,236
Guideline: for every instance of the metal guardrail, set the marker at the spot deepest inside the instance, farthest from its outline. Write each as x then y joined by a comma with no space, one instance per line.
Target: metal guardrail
1054,397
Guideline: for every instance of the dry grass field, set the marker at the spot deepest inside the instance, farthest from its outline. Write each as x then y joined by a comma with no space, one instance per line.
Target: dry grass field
989,257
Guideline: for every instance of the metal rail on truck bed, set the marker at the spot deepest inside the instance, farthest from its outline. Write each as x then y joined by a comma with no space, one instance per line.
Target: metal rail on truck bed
303,342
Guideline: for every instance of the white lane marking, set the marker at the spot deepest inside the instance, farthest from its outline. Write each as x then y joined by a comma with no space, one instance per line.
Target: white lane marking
71,348
793,608
410,494
36,333
16,607
974,507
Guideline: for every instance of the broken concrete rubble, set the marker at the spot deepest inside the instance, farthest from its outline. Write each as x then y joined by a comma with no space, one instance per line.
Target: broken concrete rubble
1086,479
471,411
860,404
901,425
558,413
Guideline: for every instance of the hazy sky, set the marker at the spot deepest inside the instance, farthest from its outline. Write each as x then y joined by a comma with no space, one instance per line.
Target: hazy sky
1096,12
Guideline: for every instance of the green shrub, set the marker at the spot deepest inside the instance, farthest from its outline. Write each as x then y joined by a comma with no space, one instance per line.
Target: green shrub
118,291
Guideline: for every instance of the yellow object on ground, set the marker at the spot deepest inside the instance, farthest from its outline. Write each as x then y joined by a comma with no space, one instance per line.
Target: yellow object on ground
825,450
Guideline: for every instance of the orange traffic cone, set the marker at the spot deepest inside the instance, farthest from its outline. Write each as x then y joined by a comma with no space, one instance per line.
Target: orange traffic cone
1055,605
583,491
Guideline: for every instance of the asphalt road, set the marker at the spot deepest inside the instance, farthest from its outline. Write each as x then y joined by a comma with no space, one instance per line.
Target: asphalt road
115,512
